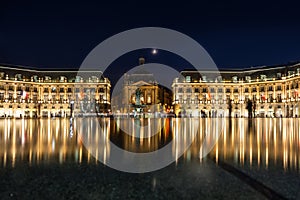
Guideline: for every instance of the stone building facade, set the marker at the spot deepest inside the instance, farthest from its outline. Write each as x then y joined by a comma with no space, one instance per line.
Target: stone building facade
273,90
141,93
29,92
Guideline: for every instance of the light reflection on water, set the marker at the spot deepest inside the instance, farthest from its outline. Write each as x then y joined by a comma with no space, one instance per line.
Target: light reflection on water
260,142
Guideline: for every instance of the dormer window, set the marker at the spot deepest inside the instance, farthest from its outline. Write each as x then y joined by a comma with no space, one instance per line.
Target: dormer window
278,75
248,79
263,77
234,79
188,79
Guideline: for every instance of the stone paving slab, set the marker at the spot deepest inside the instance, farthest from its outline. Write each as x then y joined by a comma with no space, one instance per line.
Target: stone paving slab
94,181
285,182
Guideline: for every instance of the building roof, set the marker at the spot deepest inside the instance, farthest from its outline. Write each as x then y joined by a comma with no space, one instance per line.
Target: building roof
27,72
273,71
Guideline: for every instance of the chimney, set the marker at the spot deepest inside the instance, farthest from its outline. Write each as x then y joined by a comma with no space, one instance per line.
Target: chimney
141,61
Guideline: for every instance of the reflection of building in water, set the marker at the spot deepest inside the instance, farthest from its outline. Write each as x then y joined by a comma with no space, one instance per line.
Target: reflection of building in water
31,92
38,141
258,142
142,93
262,142
274,91
147,135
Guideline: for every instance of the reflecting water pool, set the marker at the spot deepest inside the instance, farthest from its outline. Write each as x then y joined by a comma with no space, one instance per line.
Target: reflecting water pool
213,158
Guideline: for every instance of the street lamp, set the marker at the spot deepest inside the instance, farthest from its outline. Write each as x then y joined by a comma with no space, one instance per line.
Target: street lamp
72,108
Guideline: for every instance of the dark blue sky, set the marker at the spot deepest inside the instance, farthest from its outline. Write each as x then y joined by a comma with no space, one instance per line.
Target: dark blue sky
235,33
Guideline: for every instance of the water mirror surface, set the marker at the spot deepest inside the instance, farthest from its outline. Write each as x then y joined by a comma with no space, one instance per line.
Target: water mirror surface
48,156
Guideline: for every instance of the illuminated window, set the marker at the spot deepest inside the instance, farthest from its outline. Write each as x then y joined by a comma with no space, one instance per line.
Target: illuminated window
188,79
270,98
234,79
248,78
246,98
180,99
263,77
188,100
270,88
149,99
278,97
133,99
262,89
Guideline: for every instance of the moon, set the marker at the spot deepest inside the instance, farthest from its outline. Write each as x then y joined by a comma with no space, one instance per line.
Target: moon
154,51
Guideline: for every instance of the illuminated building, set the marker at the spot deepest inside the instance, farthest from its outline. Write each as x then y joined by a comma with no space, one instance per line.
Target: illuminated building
29,92
142,93
274,91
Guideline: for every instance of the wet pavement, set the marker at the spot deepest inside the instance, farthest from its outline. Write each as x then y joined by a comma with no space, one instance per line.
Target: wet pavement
253,159
94,181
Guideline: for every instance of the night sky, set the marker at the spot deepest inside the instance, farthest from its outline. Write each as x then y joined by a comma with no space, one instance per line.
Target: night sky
235,33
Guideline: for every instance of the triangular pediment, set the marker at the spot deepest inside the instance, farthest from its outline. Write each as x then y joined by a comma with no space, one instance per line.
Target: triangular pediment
140,83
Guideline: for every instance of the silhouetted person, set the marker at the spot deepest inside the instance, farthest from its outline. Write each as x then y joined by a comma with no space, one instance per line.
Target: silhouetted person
229,108
249,108
254,108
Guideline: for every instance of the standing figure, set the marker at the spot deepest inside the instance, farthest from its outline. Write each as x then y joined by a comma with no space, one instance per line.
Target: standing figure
249,108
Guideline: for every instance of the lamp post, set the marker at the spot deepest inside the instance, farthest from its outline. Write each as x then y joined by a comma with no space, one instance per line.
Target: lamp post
71,109
104,106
